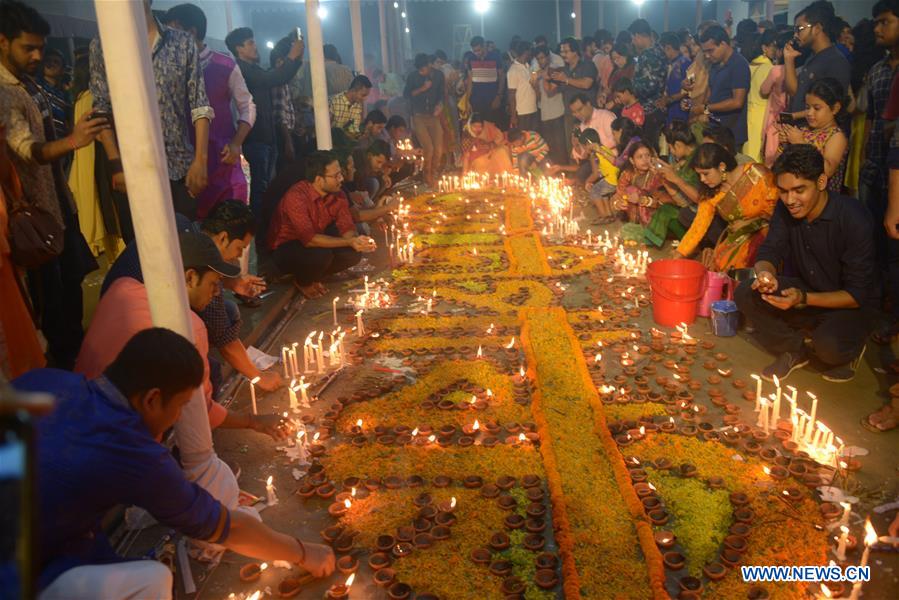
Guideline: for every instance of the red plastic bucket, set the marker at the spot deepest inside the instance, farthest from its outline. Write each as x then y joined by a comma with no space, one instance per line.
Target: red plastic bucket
677,286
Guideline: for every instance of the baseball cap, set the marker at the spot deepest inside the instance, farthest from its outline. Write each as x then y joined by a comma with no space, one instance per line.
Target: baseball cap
199,251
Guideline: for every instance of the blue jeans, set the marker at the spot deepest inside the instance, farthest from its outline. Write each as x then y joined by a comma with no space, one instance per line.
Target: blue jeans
262,165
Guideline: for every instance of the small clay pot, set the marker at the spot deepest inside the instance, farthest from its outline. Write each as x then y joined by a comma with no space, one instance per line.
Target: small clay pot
730,558
440,532
384,543
384,577
480,556
535,525
499,541
505,482
744,514
401,549
507,502
289,587
378,561
445,518
529,481
423,541
664,539
740,529
490,490
546,579
514,521
329,534
512,586
250,572
404,533
715,571
757,592
500,568
739,499
658,516
691,585
736,543
534,541
674,560
347,564
473,481
547,560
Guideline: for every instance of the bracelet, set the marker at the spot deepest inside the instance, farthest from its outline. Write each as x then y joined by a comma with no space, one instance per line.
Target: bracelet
115,166
72,143
303,549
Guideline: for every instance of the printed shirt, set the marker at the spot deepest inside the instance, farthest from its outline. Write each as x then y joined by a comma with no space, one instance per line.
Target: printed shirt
344,114
179,88
283,111
23,119
94,452
533,144
123,311
484,74
650,73
880,78
302,214
635,113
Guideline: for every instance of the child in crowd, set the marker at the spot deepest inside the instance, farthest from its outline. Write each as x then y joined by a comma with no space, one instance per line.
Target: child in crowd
626,101
528,149
603,180
824,102
641,188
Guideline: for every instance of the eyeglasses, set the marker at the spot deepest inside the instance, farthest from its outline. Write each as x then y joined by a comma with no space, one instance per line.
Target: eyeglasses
801,28
337,175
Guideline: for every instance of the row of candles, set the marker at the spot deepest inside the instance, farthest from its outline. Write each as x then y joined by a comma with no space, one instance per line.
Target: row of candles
477,181
811,435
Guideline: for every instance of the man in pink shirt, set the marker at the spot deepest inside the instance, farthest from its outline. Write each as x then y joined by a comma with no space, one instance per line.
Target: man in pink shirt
124,310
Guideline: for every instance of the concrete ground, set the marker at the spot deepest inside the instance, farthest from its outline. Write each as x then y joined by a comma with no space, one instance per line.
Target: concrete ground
841,406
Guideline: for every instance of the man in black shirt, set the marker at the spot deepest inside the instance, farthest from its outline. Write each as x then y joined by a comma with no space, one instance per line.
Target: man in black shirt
829,290
260,146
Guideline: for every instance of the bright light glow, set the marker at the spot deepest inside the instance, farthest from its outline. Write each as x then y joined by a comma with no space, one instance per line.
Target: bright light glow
270,44
396,5
403,14
573,15
407,30
638,2
481,6
322,13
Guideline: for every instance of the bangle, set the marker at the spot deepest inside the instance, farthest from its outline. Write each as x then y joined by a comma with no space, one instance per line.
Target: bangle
72,143
302,549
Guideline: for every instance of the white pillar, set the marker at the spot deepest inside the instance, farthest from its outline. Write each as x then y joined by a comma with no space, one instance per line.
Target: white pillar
601,15
132,88
578,18
382,24
769,10
665,17
356,26
315,44
698,12
558,24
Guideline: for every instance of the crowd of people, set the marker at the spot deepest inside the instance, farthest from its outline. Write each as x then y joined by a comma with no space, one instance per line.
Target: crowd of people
762,148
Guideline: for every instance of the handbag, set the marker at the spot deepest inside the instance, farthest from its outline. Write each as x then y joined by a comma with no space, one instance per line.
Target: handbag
35,235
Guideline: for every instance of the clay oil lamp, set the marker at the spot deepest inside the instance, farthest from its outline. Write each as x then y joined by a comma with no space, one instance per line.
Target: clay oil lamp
330,534
499,541
739,499
730,558
473,481
546,579
691,587
501,568
744,514
423,541
534,541
490,490
378,561
535,525
347,564
792,494
442,481
507,502
830,511
445,518
340,591
480,556
393,482
536,510
384,577
448,506
512,586
306,490
674,561
440,532
372,484
414,481
489,441
715,482
664,539
421,525
740,529
644,489
535,494
325,491
768,454
668,426
776,472
385,543
658,516
252,571
401,549
427,512
736,543
404,533
399,591
338,509
290,587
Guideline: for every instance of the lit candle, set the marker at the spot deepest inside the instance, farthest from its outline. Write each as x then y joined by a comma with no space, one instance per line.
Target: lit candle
291,390
293,358
763,415
271,498
303,386
775,416
320,354
847,509
253,383
758,391
811,418
841,543
334,309
870,540
285,358
793,393
360,327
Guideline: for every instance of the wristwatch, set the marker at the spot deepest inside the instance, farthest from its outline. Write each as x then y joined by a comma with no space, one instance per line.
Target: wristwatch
803,301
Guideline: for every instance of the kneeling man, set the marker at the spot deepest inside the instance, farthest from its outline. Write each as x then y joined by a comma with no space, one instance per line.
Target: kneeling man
100,447
815,274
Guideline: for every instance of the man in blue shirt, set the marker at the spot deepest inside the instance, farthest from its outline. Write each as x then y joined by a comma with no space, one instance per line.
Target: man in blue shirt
816,275
100,448
728,82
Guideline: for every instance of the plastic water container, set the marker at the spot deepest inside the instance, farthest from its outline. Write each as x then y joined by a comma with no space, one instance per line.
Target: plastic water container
725,318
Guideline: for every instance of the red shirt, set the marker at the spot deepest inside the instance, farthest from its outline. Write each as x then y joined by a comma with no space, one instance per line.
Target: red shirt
634,112
302,213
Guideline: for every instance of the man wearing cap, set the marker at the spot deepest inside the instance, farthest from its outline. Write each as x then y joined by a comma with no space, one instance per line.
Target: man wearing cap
124,310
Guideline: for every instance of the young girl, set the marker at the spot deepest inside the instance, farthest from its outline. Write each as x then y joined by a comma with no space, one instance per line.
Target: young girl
641,188
824,102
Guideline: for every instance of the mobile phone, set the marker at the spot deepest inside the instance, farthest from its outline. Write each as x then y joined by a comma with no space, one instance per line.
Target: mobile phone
100,114
786,118
265,295
299,33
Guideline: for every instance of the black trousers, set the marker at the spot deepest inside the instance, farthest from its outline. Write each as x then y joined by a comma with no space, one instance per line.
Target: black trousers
837,334
309,265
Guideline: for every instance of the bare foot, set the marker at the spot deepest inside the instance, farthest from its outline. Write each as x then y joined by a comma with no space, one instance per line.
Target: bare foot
309,291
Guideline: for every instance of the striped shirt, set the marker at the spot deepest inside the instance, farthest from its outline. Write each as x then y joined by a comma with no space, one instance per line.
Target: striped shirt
532,143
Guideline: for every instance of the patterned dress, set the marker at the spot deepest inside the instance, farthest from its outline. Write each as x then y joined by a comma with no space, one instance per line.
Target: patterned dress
819,138
640,194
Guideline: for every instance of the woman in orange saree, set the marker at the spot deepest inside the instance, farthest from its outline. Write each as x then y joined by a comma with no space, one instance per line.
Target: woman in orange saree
484,148
743,195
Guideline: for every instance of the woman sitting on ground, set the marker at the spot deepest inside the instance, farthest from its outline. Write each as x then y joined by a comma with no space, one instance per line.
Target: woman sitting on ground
484,147
824,102
743,196
640,188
